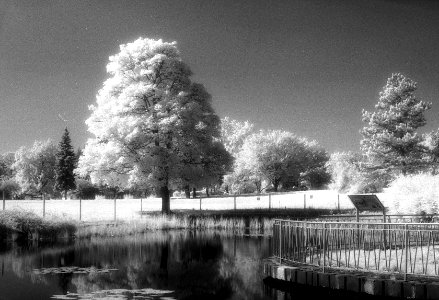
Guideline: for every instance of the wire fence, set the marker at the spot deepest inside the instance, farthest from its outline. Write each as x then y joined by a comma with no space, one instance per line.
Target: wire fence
402,248
127,209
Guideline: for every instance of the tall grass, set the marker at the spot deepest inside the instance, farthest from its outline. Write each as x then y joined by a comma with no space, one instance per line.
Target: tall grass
162,222
414,194
29,225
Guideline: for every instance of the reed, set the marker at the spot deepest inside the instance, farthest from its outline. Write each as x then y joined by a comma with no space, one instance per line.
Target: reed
162,222
25,224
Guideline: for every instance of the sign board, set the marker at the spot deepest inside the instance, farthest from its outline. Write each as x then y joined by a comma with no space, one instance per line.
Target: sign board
366,202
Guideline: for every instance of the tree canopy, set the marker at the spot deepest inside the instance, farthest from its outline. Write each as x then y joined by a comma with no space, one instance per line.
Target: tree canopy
152,126
283,159
35,168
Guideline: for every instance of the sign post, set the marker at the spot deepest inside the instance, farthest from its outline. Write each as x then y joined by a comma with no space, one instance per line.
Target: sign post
367,202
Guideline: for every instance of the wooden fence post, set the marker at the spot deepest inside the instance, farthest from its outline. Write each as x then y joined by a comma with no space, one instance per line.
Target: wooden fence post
200,203
304,200
44,206
338,202
234,202
141,207
80,208
114,209
4,201
269,201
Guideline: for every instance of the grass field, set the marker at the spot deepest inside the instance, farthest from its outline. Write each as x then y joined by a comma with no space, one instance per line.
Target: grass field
130,209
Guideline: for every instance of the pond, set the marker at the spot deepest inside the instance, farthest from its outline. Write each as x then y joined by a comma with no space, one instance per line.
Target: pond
156,265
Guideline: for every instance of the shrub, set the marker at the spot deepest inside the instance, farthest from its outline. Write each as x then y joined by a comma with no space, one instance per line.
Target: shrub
414,194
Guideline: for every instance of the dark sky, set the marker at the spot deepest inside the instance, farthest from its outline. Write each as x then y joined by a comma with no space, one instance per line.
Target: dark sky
306,66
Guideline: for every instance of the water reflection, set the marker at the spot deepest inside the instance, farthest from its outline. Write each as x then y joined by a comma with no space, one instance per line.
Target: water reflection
172,265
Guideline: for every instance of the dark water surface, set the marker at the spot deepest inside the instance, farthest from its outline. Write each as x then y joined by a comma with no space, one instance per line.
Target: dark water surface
162,265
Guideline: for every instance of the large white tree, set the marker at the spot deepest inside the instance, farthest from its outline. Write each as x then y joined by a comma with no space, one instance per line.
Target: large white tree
35,168
152,126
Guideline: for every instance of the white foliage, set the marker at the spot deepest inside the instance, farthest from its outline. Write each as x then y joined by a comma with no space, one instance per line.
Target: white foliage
35,167
414,194
149,122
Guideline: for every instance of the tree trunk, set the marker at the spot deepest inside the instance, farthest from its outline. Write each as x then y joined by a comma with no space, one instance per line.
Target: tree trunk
187,191
275,185
404,168
65,195
166,205
194,193
207,192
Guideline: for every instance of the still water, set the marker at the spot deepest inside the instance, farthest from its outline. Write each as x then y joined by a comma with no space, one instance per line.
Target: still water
161,265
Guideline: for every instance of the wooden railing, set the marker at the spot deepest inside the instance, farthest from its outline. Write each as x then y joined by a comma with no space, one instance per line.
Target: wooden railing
403,248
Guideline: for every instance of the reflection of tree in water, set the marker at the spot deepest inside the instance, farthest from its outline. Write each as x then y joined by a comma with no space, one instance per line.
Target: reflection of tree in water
187,264
242,262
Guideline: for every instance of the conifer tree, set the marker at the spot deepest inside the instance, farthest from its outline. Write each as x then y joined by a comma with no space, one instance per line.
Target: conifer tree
65,165
390,140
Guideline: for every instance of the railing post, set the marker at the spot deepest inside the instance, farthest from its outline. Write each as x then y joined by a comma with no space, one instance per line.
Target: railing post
407,239
324,246
280,242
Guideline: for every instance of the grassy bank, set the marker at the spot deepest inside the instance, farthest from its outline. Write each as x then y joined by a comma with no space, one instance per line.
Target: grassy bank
25,224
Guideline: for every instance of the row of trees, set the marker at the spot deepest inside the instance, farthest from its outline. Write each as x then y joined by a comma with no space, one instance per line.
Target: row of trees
154,130
43,169
391,144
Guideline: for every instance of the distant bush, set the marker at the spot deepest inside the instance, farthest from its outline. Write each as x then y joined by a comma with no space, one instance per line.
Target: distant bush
414,194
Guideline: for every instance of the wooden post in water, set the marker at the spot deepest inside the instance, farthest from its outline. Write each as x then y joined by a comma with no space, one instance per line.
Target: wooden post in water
280,242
